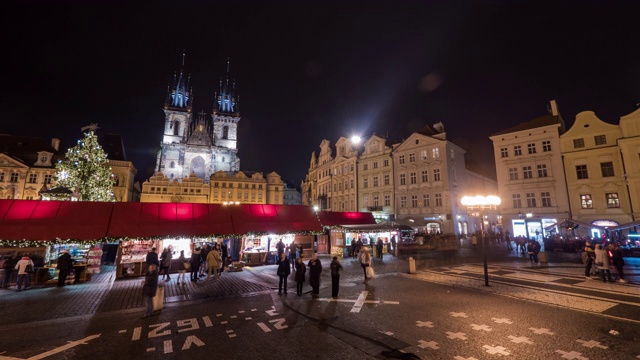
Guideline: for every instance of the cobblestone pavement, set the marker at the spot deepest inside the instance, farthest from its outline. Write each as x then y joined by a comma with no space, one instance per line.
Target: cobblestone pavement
104,294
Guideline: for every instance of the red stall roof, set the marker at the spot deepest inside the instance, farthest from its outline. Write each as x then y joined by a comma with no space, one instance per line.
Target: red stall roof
48,220
169,219
335,218
275,219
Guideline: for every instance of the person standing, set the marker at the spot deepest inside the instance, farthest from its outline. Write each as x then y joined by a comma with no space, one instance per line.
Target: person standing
283,272
280,247
204,266
8,265
336,267
618,260
213,259
393,245
182,268
225,253
365,261
165,263
150,288
602,260
315,268
292,255
588,257
507,238
152,257
23,275
359,246
474,241
379,247
301,271
353,248
65,264
195,263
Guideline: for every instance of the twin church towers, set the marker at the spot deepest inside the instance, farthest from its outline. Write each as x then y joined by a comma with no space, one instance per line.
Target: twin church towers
202,143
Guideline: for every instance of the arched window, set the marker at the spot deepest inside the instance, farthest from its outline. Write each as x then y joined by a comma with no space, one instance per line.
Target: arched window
225,132
172,165
176,128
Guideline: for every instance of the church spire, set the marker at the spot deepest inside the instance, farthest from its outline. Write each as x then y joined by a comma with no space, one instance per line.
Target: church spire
226,101
179,95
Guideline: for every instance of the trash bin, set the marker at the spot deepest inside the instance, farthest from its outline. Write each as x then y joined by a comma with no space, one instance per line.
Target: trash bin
158,300
412,265
542,257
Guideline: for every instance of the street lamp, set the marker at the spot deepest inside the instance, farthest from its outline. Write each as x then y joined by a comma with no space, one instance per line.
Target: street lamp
490,202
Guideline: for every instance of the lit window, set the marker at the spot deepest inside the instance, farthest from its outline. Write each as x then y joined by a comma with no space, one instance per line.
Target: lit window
435,153
423,155
586,202
612,200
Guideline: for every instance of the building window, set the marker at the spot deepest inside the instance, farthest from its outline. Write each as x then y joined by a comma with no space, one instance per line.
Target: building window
352,183
612,200
531,200
607,169
375,164
386,179
578,143
403,201
542,170
403,179
14,177
517,202
47,179
425,200
375,181
365,166
435,153
29,197
504,152
365,183
436,174
387,200
351,167
438,198
423,155
401,159
340,185
546,146
33,178
1,177
412,157
600,139
545,197
414,201
385,162
413,178
581,172
517,150
531,148
425,175
365,201
513,174
527,173
586,202
376,201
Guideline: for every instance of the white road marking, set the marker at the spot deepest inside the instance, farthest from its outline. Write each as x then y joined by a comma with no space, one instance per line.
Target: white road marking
233,316
458,335
272,312
136,333
520,339
241,312
224,322
480,327
424,324
254,309
248,318
192,340
463,358
496,350
232,335
430,344
502,321
191,323
539,331
571,355
207,321
218,315
168,346
591,344
458,314
122,331
62,348
151,349
357,306
264,327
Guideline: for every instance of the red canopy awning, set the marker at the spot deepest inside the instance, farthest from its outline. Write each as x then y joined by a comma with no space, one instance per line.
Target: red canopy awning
169,219
48,220
274,219
334,218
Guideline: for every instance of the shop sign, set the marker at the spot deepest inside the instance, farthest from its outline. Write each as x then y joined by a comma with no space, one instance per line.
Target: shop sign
604,223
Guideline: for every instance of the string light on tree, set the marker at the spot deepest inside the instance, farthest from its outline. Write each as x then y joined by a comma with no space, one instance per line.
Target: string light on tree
84,169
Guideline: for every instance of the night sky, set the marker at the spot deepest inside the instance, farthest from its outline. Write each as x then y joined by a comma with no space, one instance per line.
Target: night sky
308,71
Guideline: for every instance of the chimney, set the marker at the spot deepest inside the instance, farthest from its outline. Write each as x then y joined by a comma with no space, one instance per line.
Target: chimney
55,143
554,108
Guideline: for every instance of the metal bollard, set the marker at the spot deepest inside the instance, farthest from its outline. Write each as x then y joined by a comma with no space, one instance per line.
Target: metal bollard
412,265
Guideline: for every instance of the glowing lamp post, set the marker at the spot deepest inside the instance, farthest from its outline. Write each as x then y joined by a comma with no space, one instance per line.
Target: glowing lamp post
480,203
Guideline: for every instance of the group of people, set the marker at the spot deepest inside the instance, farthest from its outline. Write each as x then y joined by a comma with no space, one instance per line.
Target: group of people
24,266
602,256
357,245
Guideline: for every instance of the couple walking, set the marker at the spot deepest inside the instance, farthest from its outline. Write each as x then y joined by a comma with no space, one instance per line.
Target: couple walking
365,261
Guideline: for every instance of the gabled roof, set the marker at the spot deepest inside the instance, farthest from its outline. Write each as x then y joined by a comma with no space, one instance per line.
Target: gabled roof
545,120
26,148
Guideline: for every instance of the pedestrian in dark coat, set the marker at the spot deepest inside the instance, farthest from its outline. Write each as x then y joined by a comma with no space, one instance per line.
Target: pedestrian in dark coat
225,254
336,267
195,261
379,247
283,272
315,268
393,245
354,252
149,288
65,264
301,270
8,265
152,257
618,260
292,255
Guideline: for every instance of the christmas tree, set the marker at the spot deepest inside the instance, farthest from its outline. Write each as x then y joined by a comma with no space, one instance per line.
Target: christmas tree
85,170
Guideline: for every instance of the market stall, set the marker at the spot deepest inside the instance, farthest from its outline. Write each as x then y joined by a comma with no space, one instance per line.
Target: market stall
338,240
